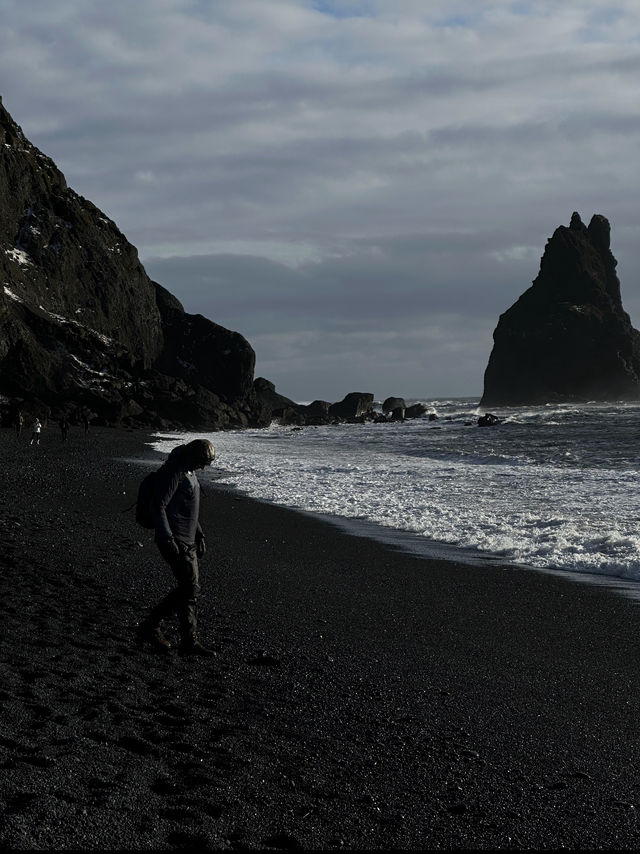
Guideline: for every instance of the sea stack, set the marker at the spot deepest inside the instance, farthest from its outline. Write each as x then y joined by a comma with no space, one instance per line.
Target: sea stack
567,338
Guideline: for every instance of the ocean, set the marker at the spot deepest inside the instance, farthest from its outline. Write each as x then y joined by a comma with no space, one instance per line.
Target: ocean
552,487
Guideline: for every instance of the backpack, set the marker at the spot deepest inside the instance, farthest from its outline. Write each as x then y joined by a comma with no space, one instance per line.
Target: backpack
143,501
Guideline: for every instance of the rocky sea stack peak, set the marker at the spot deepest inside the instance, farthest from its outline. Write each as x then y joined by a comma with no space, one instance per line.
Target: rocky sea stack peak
567,337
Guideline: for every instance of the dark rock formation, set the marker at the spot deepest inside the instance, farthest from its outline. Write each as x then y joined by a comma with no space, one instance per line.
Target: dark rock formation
84,332
356,404
392,403
317,413
269,397
567,337
417,410
83,328
277,407
488,420
355,407
396,407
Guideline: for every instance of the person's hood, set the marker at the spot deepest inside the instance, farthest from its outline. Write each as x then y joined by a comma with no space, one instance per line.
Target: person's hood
194,454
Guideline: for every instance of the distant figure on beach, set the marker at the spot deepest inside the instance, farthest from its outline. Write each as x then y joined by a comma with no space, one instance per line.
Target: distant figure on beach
35,432
19,424
85,421
175,508
64,428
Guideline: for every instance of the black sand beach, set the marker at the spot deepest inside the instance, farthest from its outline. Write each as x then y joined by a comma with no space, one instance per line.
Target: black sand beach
361,697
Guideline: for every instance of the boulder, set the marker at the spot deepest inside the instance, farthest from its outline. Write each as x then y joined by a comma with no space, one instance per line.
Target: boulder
289,416
354,405
488,420
317,413
567,338
317,409
276,406
416,410
393,403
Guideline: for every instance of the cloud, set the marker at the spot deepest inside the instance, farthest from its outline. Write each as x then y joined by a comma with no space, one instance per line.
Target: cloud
444,354
368,172
392,317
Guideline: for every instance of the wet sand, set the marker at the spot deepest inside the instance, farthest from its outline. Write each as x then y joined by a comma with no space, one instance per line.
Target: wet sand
361,697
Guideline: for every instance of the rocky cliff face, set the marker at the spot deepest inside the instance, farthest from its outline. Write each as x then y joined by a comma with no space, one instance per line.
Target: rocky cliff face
567,337
82,327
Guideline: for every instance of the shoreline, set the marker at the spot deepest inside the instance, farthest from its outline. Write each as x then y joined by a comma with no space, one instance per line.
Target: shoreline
567,533
430,550
362,697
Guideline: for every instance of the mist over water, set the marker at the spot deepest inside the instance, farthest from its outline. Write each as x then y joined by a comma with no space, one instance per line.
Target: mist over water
552,487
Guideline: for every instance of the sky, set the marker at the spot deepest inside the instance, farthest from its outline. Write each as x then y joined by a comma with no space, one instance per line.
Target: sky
359,187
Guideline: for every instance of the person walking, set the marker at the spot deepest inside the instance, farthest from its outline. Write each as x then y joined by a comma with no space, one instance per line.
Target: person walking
175,508
19,424
35,432
64,428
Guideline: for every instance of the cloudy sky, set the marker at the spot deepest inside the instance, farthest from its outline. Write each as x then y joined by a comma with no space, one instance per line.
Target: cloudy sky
360,187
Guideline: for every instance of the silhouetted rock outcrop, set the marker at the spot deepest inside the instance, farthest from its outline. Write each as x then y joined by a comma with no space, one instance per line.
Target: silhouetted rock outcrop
82,327
356,404
488,420
355,407
396,406
277,407
417,410
567,337
318,409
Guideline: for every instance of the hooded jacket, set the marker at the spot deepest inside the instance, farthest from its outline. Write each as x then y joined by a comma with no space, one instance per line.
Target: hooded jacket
175,505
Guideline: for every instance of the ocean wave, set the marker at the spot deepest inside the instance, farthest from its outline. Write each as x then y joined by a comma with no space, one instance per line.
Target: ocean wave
535,494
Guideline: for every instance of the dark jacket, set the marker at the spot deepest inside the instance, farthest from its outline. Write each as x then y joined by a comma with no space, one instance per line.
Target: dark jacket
175,505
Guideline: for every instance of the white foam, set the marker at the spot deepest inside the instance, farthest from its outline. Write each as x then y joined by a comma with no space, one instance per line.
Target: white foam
543,515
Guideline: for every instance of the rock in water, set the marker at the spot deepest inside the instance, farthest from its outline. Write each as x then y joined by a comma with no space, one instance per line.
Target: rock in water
356,404
567,337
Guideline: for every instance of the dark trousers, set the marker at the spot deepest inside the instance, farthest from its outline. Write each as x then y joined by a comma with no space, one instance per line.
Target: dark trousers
183,599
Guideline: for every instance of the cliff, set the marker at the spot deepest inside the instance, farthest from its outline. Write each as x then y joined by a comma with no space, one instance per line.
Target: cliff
84,329
567,337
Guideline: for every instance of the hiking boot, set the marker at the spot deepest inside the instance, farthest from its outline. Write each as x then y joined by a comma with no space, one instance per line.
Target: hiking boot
192,646
152,634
